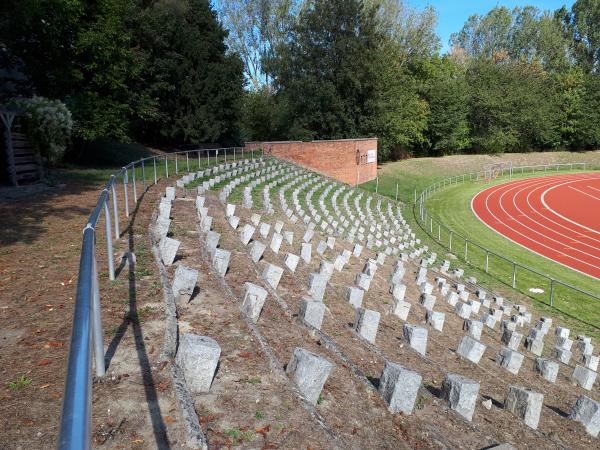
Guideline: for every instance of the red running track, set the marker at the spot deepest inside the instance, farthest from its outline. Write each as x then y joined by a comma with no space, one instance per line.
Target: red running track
555,216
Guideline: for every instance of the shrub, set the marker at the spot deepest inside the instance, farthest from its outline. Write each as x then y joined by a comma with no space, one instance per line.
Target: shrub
48,124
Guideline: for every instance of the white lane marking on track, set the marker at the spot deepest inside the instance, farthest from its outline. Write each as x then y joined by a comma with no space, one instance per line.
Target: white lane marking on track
543,198
493,189
592,187
573,231
584,193
533,240
551,247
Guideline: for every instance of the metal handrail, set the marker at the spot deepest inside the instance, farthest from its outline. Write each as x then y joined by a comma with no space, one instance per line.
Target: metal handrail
87,334
426,218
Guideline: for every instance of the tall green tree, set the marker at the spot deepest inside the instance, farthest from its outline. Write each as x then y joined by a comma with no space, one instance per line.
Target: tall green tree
196,83
447,92
324,71
581,26
513,107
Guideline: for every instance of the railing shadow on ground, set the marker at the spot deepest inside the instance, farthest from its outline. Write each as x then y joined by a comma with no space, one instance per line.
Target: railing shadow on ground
131,318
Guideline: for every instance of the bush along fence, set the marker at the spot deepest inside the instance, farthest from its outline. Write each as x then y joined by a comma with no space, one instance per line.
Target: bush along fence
87,337
510,272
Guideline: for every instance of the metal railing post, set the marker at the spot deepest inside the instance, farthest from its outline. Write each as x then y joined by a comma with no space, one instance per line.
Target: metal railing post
115,208
450,240
125,183
97,332
144,176
551,291
514,277
154,164
176,164
466,248
109,246
187,160
133,181
198,159
487,261
166,166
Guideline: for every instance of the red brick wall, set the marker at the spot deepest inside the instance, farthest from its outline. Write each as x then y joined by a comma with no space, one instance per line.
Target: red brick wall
337,159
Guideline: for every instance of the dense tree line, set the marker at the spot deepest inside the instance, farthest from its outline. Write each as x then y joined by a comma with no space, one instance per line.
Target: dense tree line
155,71
167,72
514,80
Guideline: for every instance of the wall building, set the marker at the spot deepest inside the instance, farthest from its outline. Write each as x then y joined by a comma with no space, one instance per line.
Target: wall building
351,161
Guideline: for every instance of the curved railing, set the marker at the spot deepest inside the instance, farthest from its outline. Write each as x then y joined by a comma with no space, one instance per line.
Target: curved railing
454,241
87,335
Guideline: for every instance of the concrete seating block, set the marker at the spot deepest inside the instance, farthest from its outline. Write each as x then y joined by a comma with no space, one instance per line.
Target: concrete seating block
229,210
234,221
312,312
564,343
220,261
306,252
170,193
461,394
355,296
511,339
276,241
206,224
317,283
452,298
309,372
278,226
535,346
587,412
184,282
321,247
471,349
198,357
463,310
257,249
416,337
161,227
168,250
398,291
272,274
590,361
367,323
212,241
264,230
436,319
510,359
474,328
563,355
525,404
399,387
546,368
308,235
400,308
288,236
255,219
253,299
562,332
363,281
246,233
291,261
330,242
584,377
428,301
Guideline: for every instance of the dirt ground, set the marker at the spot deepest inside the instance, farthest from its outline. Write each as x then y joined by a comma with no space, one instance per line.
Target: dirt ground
40,241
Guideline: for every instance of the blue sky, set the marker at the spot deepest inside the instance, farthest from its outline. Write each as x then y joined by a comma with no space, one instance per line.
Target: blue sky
453,14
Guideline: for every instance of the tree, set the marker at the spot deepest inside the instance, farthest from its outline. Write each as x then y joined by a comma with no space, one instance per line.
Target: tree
447,92
256,28
197,86
513,107
324,73
581,27
412,30
526,34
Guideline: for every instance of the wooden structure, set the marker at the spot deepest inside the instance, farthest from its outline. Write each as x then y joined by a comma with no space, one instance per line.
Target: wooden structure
23,163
